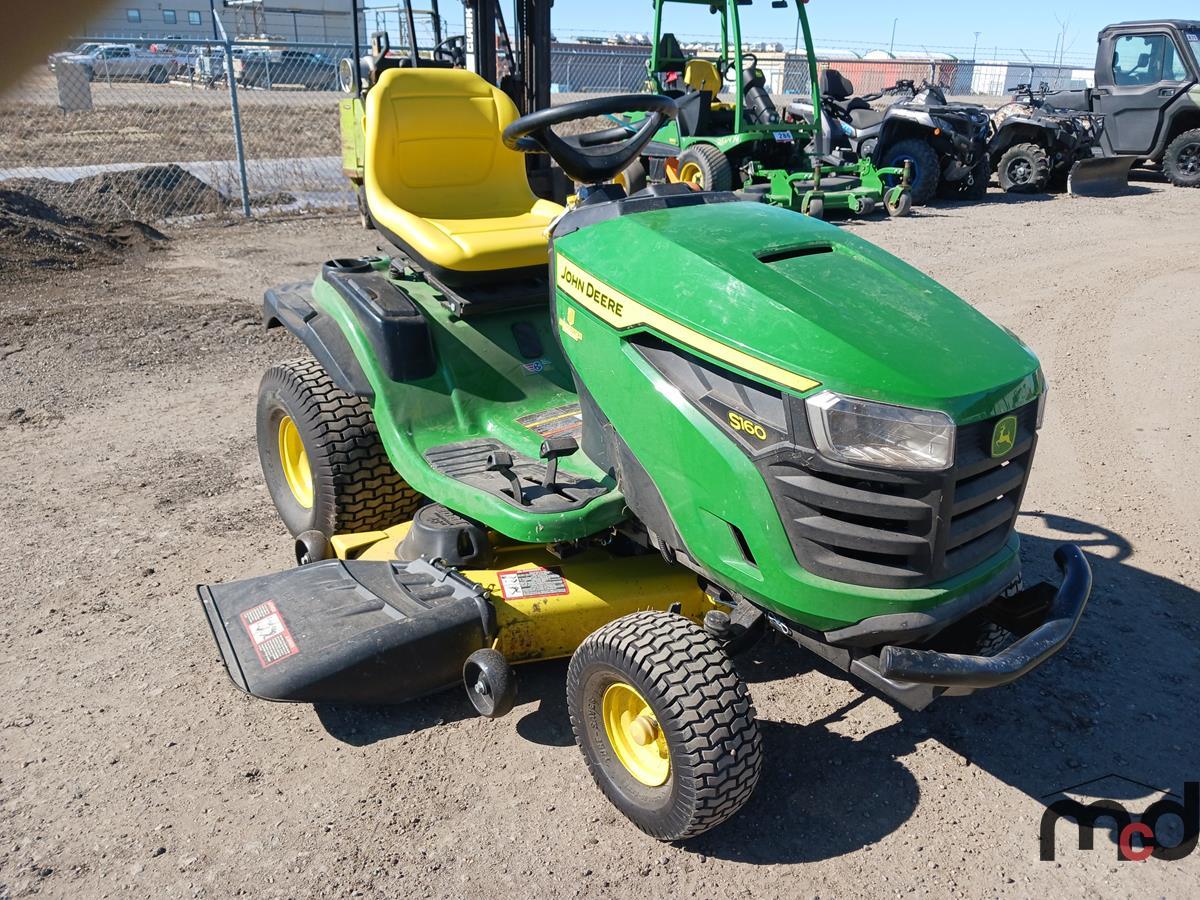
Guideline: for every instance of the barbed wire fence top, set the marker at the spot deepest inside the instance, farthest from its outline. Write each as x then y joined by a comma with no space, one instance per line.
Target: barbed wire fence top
136,128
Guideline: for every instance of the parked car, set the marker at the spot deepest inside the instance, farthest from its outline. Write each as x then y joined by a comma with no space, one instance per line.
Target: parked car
82,50
303,68
128,61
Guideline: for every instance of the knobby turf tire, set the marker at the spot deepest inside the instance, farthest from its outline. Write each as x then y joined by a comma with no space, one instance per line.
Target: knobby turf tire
1173,164
715,168
1034,156
702,706
927,170
355,487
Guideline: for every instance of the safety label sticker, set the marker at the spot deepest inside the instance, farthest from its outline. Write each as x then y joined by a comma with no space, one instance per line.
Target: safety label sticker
520,584
566,419
269,634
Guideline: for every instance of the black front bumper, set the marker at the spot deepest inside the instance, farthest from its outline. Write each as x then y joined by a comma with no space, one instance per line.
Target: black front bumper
1015,660
916,675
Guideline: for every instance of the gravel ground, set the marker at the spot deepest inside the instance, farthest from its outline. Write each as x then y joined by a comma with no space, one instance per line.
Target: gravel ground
130,767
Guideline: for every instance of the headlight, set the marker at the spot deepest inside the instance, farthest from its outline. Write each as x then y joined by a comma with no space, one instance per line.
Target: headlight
860,431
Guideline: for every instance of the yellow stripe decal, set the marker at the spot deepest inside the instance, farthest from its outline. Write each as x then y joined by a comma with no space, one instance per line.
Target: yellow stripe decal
623,312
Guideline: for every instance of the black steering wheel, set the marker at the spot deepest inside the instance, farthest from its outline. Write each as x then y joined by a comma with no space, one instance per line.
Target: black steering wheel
452,50
588,162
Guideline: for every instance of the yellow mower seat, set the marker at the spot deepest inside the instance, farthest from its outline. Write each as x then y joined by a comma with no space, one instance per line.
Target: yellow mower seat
702,75
438,179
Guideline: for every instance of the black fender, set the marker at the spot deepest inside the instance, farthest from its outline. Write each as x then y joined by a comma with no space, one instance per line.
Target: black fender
1019,130
291,306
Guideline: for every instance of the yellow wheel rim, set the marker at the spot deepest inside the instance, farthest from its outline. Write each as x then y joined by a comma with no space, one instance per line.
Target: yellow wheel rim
294,459
635,735
690,172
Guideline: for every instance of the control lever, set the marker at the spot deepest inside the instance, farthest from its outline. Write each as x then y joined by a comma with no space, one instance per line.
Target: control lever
552,449
501,461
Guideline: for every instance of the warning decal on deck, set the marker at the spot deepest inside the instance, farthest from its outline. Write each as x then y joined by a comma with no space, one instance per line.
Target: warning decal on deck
269,634
565,419
519,584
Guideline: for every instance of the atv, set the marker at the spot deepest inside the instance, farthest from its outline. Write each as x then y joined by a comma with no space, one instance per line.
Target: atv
745,144
1033,145
943,144
640,432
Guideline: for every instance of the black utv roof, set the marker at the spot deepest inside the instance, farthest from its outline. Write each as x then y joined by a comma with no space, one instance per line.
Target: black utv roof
1180,24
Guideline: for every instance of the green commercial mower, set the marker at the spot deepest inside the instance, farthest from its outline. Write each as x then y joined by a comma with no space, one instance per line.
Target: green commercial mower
638,432
719,145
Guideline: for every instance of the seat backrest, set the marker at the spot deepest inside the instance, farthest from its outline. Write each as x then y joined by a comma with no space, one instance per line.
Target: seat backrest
835,86
702,75
433,146
670,54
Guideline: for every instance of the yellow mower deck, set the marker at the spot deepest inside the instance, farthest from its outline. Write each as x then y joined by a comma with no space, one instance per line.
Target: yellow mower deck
546,612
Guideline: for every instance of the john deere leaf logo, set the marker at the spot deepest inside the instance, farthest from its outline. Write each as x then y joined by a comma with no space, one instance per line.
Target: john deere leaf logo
1004,436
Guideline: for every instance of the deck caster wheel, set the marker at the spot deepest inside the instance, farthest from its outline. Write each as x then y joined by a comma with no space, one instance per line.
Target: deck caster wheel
490,682
312,546
665,724
899,203
815,208
866,206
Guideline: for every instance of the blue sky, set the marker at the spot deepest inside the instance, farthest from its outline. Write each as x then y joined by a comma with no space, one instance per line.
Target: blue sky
1031,25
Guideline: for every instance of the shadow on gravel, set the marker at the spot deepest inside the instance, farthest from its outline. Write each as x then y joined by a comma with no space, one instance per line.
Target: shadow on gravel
360,726
1114,701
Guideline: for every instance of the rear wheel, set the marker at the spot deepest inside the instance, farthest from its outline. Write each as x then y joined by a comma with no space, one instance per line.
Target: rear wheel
158,74
665,724
1024,169
924,162
706,167
1181,163
324,465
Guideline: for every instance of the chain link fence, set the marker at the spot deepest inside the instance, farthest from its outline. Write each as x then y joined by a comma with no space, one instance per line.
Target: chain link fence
152,131
159,130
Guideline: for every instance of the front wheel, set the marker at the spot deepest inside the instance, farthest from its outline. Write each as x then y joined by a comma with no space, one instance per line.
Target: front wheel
925,169
321,455
665,724
1024,169
706,167
1181,163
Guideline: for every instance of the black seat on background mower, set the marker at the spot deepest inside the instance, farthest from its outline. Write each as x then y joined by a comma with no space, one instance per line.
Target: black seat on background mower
864,116
835,86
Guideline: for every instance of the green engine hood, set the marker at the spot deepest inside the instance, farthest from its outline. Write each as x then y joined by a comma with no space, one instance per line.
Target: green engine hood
809,298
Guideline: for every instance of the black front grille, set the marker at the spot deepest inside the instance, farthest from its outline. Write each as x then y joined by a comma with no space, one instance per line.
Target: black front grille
883,528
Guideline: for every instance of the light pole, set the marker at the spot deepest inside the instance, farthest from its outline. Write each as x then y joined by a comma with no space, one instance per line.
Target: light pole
976,47
892,46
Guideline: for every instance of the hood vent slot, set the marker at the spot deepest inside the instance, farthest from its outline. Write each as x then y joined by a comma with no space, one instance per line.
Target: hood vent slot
770,257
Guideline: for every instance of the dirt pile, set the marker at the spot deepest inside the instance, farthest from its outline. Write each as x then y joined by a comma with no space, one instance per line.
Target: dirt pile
156,192
34,234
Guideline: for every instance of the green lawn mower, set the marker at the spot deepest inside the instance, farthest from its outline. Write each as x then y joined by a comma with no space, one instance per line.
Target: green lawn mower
745,144
534,432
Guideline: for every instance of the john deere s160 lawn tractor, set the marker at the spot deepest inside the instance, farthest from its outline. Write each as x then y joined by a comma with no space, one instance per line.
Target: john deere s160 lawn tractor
745,143
681,421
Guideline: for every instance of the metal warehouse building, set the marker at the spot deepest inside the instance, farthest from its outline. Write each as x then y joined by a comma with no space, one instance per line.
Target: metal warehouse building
299,20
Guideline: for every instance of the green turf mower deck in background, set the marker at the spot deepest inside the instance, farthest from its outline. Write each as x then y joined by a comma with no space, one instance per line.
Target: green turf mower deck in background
745,144
643,452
